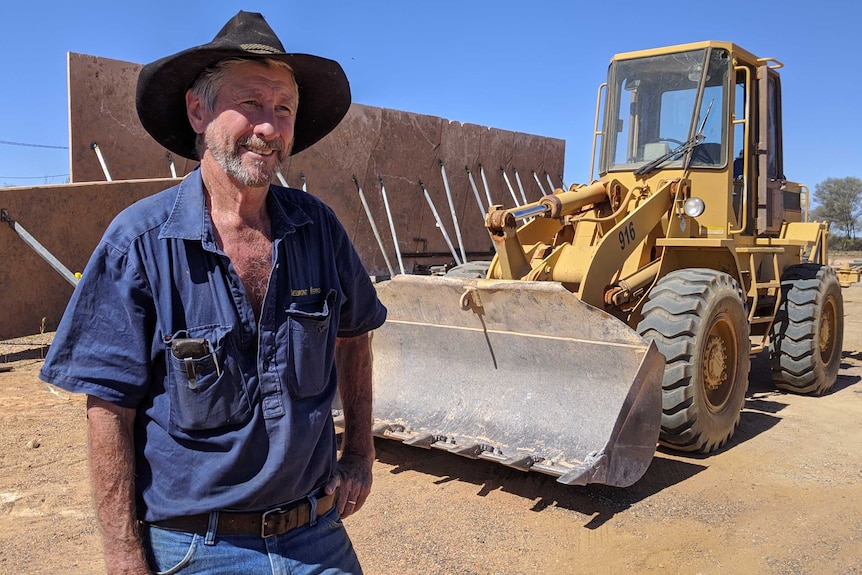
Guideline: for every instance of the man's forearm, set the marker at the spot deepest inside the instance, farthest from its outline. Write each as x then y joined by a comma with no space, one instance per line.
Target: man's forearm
112,470
353,357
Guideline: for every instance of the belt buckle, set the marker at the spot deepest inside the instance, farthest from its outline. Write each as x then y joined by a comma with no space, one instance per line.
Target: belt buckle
263,520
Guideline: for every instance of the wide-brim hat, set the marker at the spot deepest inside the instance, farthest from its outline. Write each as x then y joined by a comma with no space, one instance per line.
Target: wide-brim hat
324,92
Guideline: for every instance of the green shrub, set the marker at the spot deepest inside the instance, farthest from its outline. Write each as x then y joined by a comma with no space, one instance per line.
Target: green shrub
843,244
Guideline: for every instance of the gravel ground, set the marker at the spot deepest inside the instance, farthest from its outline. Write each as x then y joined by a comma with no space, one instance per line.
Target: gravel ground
785,497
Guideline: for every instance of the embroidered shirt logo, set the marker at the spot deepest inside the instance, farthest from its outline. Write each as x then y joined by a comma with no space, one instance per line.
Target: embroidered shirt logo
304,292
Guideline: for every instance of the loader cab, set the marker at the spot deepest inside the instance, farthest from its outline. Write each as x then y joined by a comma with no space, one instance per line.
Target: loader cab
710,112
665,103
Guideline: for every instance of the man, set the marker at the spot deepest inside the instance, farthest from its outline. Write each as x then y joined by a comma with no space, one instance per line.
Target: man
215,323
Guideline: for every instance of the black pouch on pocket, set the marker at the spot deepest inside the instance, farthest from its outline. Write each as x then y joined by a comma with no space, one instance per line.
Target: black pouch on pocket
190,349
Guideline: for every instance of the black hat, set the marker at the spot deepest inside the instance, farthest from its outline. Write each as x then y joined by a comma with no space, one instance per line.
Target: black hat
324,93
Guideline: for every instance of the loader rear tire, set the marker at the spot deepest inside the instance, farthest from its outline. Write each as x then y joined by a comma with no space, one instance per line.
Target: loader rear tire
808,332
698,321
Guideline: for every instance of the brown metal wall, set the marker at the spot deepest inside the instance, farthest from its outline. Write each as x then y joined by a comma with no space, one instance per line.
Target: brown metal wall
68,221
370,144
402,148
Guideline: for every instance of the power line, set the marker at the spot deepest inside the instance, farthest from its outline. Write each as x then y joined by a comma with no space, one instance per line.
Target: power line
27,145
33,145
32,177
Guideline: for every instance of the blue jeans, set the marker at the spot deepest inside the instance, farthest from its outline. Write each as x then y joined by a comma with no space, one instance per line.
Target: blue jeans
319,548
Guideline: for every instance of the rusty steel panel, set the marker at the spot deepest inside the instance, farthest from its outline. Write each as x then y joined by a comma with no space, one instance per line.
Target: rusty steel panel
371,144
68,220
102,110
402,148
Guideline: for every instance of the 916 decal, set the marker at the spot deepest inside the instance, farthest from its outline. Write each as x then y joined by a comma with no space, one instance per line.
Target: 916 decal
627,235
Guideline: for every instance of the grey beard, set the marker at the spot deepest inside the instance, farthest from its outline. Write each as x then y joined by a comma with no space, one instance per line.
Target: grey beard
255,178
258,175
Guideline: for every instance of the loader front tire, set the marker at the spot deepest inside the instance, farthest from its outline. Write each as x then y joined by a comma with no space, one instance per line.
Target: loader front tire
808,332
698,321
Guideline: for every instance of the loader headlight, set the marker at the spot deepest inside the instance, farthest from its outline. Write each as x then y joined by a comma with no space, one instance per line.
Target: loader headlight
693,207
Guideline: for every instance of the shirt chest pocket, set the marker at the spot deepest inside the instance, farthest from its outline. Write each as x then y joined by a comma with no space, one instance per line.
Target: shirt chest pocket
206,385
306,346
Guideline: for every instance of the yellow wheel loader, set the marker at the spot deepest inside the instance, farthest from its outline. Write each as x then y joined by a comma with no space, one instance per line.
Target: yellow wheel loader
624,312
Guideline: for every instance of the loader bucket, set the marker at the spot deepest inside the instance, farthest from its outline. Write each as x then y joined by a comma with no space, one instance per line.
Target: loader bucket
520,373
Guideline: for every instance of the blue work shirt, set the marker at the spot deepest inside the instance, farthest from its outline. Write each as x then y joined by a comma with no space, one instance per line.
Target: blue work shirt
252,427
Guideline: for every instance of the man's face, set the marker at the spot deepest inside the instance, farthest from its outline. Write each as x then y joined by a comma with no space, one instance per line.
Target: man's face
251,131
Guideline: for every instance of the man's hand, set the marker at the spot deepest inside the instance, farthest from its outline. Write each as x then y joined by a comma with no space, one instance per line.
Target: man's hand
353,480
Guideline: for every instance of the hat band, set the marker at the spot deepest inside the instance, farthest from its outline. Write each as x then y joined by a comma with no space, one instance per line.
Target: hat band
260,48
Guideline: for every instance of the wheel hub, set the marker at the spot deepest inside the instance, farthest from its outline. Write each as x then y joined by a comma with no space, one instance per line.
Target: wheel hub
715,364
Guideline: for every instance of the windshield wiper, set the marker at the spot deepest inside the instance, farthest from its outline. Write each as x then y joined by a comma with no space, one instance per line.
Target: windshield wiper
685,147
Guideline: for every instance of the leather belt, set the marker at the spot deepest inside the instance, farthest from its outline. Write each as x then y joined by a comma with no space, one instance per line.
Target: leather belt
273,522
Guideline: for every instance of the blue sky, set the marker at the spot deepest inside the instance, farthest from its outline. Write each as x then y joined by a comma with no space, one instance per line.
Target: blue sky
524,66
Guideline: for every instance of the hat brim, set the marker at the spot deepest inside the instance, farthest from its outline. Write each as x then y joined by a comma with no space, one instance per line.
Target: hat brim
324,95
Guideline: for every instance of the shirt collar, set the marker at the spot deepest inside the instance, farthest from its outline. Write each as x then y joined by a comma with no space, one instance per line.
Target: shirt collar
190,220
285,216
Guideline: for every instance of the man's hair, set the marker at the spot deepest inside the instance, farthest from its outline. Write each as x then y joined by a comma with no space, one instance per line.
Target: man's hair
208,84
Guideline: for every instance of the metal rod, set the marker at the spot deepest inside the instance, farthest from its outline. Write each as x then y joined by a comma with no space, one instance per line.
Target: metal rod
485,183
95,147
482,209
391,226
40,250
509,185
281,178
452,211
373,226
529,211
550,183
304,182
172,165
538,181
520,186
440,223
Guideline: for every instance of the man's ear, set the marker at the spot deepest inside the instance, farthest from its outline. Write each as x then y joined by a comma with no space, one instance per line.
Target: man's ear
199,116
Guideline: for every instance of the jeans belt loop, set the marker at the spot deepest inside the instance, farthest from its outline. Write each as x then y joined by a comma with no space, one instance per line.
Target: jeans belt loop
212,527
312,514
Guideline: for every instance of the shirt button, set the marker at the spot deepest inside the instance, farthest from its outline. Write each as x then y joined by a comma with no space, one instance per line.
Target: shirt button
266,365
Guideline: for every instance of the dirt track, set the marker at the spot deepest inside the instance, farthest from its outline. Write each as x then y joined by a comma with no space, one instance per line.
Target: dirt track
784,498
